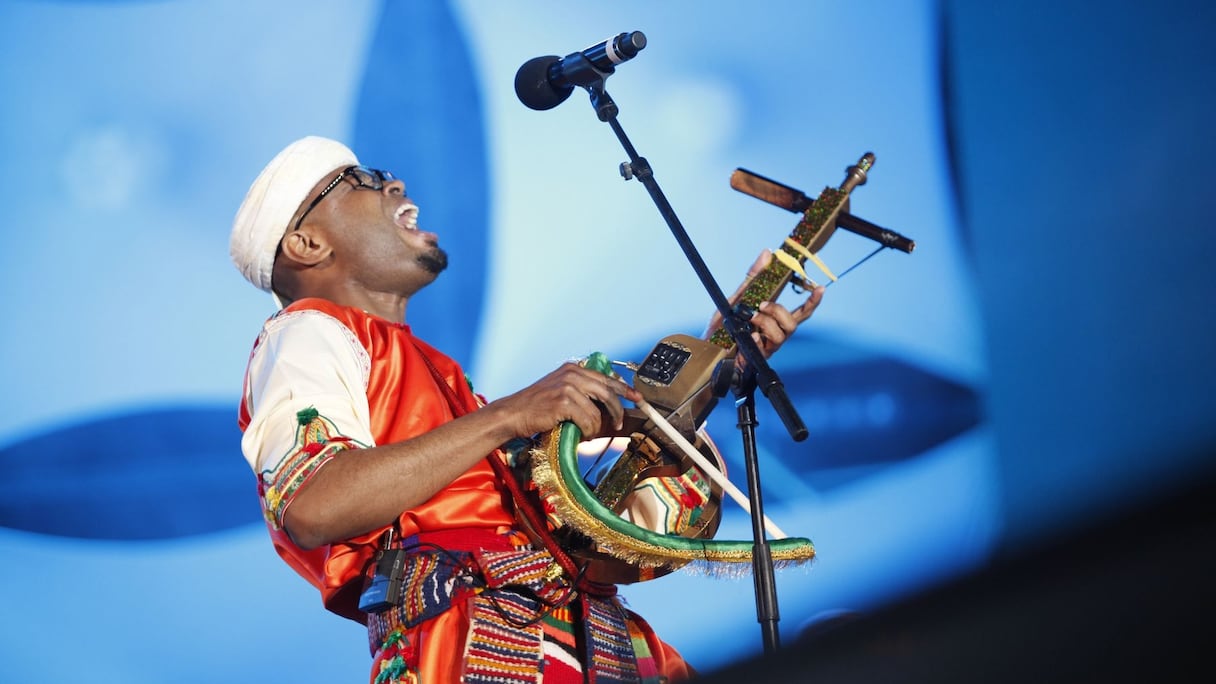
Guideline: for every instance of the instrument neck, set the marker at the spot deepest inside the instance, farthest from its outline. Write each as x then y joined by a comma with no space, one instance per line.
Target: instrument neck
812,231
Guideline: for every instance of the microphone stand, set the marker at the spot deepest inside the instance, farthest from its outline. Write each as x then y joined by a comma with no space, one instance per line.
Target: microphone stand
757,374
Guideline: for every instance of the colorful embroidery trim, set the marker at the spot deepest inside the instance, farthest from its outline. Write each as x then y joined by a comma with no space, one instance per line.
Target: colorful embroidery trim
676,502
317,441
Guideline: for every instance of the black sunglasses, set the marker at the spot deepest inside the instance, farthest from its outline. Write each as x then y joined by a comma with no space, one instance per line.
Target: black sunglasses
370,179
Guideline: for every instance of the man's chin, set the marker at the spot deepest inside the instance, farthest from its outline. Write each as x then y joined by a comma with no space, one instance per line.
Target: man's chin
434,261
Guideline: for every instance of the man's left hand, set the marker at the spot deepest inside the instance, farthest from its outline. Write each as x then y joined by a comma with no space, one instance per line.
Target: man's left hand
773,323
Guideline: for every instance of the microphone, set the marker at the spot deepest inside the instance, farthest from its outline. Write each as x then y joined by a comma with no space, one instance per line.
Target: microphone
545,82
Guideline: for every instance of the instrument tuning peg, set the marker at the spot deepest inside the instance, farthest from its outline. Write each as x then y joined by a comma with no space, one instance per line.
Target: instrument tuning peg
856,175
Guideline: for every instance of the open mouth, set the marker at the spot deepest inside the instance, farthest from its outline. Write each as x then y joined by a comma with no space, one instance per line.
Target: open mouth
407,216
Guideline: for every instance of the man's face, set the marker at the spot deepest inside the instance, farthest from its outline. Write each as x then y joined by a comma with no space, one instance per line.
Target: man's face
374,232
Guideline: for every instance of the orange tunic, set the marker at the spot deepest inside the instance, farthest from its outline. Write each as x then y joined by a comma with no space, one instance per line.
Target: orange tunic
403,401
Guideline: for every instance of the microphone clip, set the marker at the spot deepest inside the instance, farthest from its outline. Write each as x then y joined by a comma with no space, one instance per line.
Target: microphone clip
576,69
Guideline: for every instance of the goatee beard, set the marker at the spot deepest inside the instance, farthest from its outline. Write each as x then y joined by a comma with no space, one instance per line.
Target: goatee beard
434,261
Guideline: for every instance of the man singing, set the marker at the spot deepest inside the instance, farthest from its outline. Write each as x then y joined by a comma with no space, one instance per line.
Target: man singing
372,451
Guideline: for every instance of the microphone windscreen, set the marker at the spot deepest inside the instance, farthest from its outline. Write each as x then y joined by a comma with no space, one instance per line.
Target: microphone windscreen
532,84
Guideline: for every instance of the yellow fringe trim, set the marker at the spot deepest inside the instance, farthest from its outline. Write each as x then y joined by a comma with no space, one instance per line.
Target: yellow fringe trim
546,474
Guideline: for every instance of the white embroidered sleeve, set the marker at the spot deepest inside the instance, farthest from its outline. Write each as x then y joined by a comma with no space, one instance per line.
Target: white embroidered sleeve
304,360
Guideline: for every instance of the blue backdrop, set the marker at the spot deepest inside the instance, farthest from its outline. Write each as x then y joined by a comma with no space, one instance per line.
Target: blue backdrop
1038,364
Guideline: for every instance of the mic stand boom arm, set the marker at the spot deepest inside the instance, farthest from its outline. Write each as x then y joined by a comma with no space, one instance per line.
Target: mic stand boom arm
733,321
758,373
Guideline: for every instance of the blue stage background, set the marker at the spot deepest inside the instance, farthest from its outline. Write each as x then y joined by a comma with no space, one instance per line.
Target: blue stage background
1040,362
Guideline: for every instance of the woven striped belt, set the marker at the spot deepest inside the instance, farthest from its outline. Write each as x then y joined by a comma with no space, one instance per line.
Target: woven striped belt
509,591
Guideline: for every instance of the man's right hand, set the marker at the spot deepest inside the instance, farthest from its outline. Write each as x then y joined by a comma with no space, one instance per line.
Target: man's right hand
588,398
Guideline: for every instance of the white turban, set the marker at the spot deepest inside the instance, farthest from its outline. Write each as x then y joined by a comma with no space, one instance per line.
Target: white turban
274,198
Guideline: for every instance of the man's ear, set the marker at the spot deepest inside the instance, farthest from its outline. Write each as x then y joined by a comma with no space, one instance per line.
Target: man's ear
304,247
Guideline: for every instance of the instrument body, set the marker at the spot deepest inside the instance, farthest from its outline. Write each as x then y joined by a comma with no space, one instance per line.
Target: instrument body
647,493
677,377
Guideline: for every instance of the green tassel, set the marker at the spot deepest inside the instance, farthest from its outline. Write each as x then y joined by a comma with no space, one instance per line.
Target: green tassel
391,671
307,415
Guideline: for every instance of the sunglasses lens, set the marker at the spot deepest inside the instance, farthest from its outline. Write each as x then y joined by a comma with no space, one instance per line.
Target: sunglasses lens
373,179
364,177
